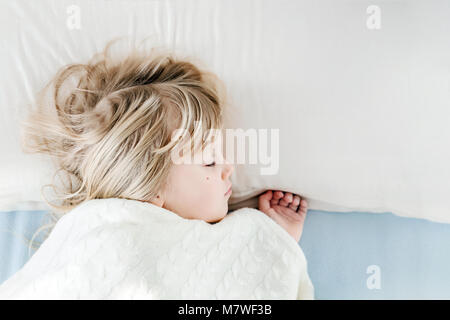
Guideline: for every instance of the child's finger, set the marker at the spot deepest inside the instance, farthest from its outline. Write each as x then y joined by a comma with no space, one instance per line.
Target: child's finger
278,195
295,203
268,194
288,197
264,200
303,206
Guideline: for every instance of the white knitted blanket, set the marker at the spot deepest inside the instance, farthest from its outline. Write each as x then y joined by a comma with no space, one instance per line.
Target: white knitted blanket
128,249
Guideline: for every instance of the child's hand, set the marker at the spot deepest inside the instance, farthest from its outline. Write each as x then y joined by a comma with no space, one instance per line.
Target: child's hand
288,210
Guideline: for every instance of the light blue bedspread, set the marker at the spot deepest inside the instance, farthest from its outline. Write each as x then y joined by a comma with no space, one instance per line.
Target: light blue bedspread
352,255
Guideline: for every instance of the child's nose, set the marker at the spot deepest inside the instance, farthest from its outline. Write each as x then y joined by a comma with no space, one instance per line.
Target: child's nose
228,170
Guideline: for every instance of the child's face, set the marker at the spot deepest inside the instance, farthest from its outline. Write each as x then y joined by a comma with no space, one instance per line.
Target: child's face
198,191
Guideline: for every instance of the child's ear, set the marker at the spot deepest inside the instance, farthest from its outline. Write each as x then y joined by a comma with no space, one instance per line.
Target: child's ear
158,200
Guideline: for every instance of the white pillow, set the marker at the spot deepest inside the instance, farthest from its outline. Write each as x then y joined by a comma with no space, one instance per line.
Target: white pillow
362,113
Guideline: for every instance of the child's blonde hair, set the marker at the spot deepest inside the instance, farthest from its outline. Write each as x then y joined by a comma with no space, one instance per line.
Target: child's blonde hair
107,124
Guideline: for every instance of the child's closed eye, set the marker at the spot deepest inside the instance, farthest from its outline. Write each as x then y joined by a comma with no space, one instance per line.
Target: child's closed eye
211,164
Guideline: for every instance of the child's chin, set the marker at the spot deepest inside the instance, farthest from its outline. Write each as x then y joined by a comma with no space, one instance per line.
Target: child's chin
218,219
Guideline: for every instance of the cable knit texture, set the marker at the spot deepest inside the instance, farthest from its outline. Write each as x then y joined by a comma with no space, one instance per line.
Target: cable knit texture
128,249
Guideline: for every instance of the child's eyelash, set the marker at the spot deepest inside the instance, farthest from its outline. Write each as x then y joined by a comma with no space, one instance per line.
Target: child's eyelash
211,164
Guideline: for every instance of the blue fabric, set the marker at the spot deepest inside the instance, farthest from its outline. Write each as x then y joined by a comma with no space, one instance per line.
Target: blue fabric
411,255
14,227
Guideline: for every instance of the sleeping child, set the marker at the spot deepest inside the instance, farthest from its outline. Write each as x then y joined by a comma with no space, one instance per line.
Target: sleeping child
132,224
